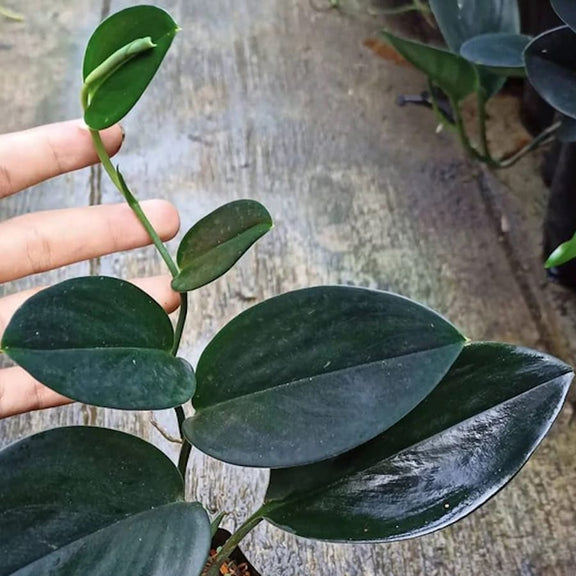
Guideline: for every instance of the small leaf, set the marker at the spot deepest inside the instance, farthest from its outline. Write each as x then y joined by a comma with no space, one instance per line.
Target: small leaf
118,93
101,341
461,20
447,457
214,244
96,502
310,374
498,52
450,72
564,253
567,130
566,9
551,68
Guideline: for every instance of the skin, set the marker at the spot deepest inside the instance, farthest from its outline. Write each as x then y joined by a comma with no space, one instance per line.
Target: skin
42,241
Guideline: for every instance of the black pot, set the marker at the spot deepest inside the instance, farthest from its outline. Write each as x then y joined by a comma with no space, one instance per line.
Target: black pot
237,556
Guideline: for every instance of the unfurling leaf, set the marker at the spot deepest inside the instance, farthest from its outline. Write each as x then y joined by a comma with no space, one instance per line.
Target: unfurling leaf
112,96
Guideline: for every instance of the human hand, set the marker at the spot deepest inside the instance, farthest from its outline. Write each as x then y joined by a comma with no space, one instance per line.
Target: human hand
46,240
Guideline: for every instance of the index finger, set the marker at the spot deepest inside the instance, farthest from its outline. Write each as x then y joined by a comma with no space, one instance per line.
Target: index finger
32,156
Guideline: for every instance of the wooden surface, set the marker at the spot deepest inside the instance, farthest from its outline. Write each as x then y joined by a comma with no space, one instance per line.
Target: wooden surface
271,100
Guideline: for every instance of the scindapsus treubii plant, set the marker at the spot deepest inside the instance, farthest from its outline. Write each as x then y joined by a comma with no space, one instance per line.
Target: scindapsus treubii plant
378,419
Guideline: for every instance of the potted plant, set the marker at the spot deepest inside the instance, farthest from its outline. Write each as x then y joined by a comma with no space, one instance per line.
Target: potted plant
377,418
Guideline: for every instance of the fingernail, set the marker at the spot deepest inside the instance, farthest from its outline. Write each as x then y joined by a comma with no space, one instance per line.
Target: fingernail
123,132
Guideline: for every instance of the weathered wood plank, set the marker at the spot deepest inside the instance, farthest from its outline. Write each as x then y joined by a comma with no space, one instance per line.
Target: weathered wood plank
273,101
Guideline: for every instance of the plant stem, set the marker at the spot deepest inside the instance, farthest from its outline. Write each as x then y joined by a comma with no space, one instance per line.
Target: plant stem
540,139
184,454
470,150
233,542
180,322
118,181
481,112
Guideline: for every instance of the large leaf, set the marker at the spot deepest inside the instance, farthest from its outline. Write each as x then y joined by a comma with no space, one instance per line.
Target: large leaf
446,458
310,374
96,502
448,71
461,20
500,53
566,9
214,244
115,96
101,341
551,68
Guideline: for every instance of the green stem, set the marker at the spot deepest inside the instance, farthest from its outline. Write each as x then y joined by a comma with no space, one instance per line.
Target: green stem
481,112
119,182
10,14
184,455
540,139
233,542
180,322
470,150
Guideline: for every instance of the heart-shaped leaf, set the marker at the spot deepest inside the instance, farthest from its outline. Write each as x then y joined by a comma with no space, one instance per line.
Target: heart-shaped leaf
214,244
564,253
551,67
448,71
461,20
114,95
101,341
498,52
96,502
447,457
567,130
310,374
566,9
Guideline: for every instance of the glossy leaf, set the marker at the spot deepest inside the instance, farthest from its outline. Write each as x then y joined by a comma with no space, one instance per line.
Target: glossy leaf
567,130
551,68
213,245
564,253
115,96
499,53
461,20
310,374
448,71
446,458
566,10
101,341
92,501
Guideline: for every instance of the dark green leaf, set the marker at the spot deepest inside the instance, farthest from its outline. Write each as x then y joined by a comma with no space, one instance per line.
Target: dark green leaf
498,52
461,20
566,9
213,245
101,341
448,71
95,502
310,374
567,130
551,67
564,253
446,458
113,98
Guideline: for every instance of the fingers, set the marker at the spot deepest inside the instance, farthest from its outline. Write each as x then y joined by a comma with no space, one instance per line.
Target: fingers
31,156
43,241
19,392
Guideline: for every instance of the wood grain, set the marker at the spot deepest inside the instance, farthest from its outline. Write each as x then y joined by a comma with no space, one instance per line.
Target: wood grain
273,101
